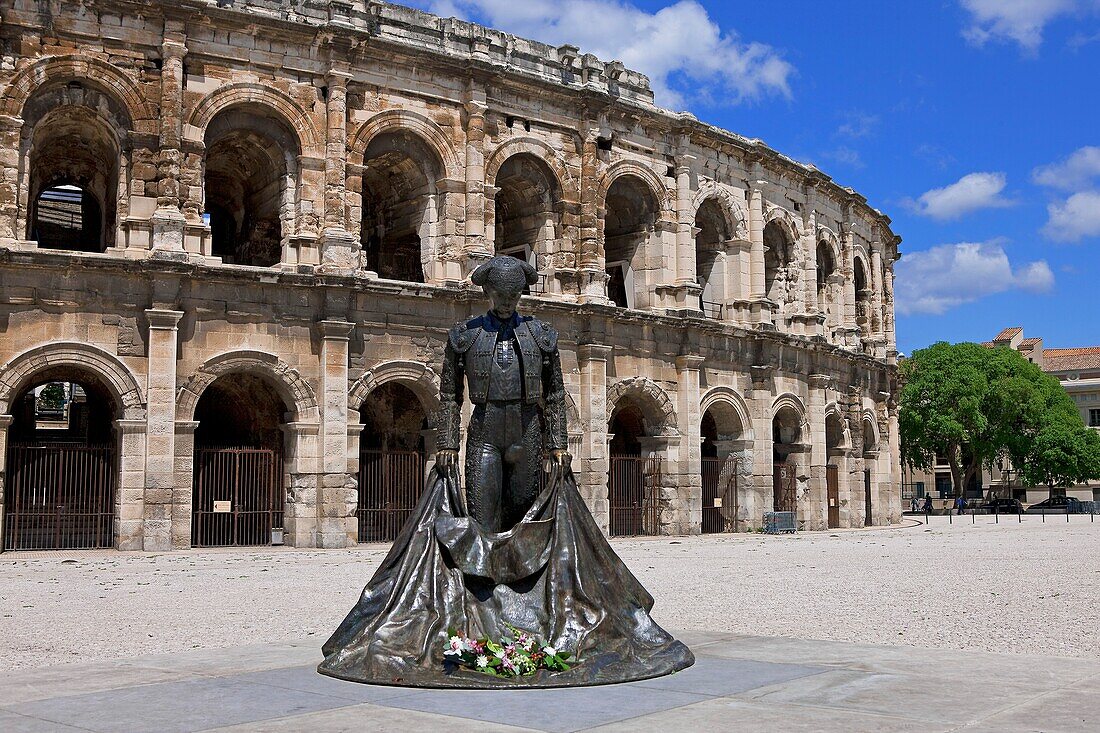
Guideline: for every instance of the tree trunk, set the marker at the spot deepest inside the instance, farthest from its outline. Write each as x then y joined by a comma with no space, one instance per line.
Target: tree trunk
956,470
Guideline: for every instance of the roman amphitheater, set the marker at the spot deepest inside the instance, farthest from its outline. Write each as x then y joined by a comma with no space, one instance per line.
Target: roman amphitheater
233,235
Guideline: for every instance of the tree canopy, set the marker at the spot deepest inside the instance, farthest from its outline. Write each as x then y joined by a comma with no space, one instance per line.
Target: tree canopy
972,404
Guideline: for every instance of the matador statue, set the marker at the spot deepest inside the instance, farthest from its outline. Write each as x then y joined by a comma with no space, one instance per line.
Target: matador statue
522,551
512,366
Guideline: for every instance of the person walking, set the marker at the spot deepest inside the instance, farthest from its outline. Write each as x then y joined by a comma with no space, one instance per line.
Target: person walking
928,506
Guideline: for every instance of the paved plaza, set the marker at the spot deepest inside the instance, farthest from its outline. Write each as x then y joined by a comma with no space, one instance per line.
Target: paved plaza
738,683
904,624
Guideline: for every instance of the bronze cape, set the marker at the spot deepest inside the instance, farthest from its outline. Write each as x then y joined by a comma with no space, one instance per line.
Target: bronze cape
553,574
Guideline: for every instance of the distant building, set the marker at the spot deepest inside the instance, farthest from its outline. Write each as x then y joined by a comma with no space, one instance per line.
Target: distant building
1078,370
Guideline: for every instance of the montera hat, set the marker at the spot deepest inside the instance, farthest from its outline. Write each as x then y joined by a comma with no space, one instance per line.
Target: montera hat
505,274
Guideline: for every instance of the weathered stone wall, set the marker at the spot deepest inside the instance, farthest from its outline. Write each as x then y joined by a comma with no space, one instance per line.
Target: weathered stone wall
323,133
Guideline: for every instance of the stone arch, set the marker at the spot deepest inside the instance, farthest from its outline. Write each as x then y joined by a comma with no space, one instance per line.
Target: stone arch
97,73
730,398
250,93
15,375
402,120
419,378
834,413
789,401
831,240
869,426
660,192
541,150
656,406
734,211
290,385
788,221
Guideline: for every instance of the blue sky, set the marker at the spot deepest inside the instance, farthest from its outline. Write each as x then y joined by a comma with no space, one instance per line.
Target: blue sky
972,123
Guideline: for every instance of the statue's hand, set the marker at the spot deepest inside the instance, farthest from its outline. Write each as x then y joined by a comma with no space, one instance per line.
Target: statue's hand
560,458
445,459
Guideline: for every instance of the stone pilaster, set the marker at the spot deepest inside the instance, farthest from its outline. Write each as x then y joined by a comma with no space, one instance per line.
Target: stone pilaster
816,499
5,425
848,324
760,498
809,246
756,239
183,493
592,263
689,483
593,467
476,106
338,496
301,445
131,494
168,219
160,418
339,248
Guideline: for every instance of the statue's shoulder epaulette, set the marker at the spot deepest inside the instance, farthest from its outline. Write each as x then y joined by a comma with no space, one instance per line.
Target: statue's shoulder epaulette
463,334
545,335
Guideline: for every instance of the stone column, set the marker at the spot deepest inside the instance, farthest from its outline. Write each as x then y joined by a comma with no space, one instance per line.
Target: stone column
756,238
131,493
817,509
687,283
337,501
689,422
591,262
168,219
848,307
809,245
301,447
5,425
160,417
888,313
876,289
339,248
893,509
12,225
594,465
183,494
477,249
760,401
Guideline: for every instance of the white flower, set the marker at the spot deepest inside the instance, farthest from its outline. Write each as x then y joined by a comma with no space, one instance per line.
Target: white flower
482,661
456,643
549,650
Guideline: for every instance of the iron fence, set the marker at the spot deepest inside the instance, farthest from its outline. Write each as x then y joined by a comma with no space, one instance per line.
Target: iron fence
390,485
238,497
633,496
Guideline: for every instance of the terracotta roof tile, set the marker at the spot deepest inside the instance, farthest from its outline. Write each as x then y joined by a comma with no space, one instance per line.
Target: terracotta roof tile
1059,360
1008,333
1029,343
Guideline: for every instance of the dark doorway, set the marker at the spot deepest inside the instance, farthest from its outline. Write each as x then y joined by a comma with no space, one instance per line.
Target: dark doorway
867,497
832,491
633,483
238,495
391,461
62,465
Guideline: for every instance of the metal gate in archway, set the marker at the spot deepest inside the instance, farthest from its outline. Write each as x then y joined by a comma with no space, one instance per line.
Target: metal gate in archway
720,496
783,485
634,496
59,497
390,485
238,497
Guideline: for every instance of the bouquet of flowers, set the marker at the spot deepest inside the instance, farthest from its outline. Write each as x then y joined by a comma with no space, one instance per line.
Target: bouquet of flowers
519,655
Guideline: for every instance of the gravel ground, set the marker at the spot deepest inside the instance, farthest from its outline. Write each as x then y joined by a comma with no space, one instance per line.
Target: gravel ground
1026,588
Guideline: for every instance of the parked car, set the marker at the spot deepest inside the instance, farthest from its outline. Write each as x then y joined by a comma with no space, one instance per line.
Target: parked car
1003,505
1057,505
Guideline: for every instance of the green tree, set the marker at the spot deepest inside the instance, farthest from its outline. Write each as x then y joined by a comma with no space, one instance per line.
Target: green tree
972,404
52,396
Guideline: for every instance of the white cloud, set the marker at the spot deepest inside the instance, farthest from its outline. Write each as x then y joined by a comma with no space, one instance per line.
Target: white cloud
845,156
1072,174
1074,219
972,192
680,47
1022,21
857,124
944,277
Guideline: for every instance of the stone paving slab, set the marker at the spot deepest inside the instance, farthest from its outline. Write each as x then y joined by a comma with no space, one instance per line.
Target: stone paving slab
739,682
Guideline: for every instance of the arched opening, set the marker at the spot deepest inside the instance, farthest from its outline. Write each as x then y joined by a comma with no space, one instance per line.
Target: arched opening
74,169
391,461
723,468
62,463
630,216
710,241
870,455
779,274
826,288
834,448
786,444
399,202
238,496
863,299
250,169
633,478
527,209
